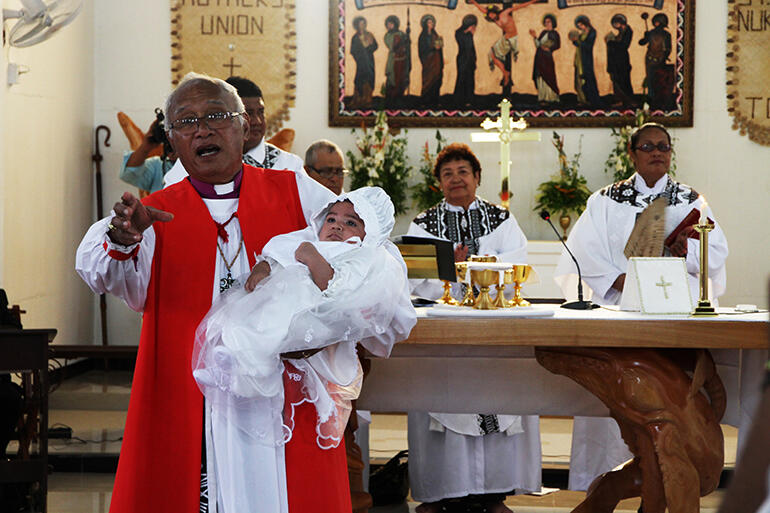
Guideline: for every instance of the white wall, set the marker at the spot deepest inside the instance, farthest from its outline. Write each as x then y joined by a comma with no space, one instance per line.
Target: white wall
132,74
46,177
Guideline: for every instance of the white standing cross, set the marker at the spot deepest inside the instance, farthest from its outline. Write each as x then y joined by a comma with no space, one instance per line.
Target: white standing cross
507,132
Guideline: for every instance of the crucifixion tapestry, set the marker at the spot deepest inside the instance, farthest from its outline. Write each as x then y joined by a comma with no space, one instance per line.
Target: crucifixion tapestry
559,62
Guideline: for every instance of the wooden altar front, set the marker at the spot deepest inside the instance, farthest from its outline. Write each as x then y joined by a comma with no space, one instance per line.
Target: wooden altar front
471,365
451,364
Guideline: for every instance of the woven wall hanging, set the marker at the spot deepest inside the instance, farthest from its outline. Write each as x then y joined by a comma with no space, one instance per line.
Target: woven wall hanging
748,68
255,39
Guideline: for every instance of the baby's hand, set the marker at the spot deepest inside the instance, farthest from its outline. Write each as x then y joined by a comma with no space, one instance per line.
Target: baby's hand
258,273
306,253
319,268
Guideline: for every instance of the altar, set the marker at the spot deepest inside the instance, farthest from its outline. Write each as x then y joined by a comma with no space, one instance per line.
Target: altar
472,365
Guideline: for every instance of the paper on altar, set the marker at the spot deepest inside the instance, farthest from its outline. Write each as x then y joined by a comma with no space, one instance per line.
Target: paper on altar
657,285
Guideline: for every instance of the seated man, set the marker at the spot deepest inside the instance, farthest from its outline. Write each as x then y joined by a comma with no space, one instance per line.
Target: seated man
256,151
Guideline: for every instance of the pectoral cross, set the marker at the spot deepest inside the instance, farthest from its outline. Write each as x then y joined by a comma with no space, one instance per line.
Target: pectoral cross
507,132
663,283
226,282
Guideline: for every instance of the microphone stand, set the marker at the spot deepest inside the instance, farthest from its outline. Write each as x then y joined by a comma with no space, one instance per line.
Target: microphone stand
572,305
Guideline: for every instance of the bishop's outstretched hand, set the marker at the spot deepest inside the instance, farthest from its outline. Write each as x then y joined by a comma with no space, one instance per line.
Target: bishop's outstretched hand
132,218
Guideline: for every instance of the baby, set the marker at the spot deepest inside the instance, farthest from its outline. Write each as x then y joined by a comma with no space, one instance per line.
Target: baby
311,297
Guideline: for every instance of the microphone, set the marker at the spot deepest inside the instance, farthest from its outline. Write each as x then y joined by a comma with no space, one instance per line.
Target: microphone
572,305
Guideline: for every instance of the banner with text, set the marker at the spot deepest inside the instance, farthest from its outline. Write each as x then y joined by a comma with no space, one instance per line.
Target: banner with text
748,68
255,39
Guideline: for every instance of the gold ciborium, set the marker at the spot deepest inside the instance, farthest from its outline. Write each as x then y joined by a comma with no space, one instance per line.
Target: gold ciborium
484,278
462,271
518,274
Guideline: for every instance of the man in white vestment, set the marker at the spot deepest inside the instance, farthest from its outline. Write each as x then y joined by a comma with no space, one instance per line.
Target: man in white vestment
598,241
257,151
457,455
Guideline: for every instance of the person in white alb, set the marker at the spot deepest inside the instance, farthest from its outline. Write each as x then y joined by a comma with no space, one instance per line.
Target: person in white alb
478,457
598,240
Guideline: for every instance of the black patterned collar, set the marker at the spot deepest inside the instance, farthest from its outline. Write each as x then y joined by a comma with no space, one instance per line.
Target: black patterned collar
626,191
271,157
459,225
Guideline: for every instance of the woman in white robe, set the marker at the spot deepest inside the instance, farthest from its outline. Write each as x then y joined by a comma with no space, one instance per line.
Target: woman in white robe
598,240
456,455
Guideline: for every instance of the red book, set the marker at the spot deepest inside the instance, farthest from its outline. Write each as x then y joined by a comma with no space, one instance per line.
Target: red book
691,219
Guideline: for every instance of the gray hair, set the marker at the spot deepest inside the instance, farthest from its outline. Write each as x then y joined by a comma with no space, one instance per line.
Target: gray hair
192,79
322,144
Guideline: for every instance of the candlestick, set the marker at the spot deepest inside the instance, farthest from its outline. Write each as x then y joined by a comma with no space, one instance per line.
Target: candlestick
704,304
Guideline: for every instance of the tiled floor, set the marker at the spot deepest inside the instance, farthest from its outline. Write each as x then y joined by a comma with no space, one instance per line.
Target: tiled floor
94,406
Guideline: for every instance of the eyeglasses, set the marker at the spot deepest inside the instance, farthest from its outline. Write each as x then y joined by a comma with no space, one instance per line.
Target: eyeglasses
649,147
214,121
328,172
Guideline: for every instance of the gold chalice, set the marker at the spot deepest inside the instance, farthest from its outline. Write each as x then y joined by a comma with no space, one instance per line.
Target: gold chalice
485,278
519,274
462,270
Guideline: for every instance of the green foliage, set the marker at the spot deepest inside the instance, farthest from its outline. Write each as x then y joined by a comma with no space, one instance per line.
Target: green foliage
382,162
619,163
427,193
566,191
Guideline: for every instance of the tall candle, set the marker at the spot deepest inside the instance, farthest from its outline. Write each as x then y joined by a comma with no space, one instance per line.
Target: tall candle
702,221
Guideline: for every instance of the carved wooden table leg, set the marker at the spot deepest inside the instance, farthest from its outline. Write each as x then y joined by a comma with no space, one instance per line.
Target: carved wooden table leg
669,420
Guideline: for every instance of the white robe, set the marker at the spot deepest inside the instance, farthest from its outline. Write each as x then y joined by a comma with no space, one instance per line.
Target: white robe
444,462
128,280
597,241
285,160
239,342
600,234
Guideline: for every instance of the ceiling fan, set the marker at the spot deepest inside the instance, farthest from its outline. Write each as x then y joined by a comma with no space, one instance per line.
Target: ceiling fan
39,20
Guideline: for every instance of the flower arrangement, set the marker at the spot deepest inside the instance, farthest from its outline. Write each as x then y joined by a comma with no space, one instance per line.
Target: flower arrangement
566,191
382,162
427,193
619,163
